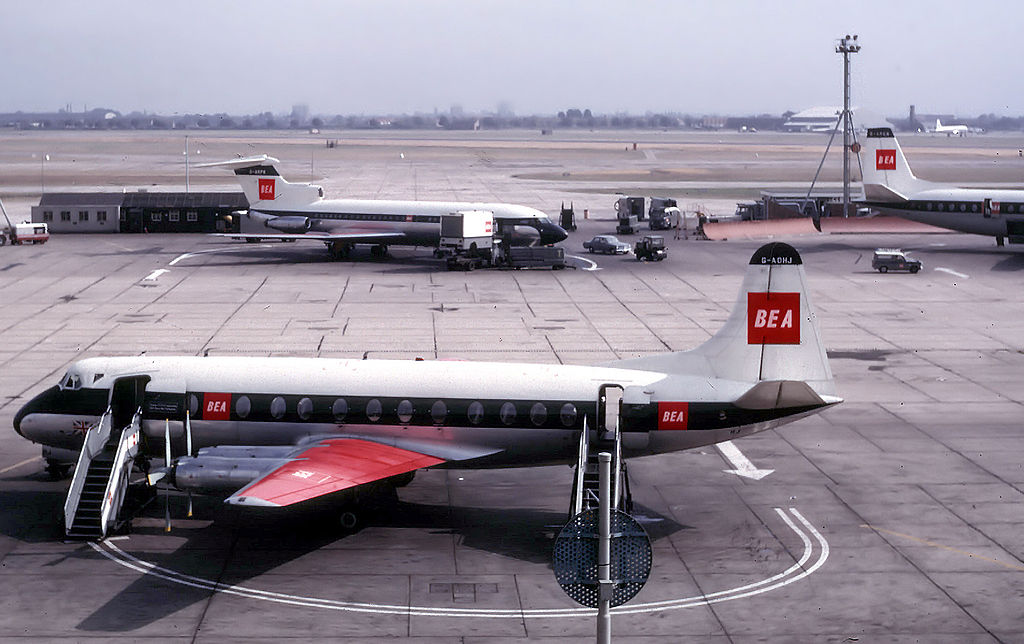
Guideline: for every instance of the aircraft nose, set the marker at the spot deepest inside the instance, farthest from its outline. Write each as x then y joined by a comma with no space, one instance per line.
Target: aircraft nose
34,405
552,234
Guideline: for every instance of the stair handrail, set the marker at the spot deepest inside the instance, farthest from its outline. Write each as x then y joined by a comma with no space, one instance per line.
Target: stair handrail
95,438
617,465
581,467
117,482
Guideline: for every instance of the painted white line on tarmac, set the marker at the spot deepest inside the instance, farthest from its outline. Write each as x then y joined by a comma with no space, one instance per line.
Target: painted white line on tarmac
19,464
742,464
794,573
592,264
155,274
943,269
233,249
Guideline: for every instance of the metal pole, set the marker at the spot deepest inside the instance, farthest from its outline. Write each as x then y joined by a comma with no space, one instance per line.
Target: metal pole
846,47
846,133
604,550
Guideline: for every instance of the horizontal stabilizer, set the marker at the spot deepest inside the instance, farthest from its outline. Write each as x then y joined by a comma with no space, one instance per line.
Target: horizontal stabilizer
244,162
780,394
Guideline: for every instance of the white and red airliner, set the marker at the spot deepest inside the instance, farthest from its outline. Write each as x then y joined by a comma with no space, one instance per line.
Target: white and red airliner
280,431
288,211
891,187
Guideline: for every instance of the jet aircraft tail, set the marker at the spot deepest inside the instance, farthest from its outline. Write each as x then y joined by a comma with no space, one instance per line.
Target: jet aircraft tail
771,335
265,188
887,176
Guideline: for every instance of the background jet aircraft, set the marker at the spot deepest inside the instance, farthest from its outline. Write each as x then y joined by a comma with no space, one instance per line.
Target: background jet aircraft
950,130
279,431
890,186
290,211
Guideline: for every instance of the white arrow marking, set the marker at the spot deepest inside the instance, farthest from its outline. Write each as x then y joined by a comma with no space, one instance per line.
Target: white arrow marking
952,272
742,464
155,274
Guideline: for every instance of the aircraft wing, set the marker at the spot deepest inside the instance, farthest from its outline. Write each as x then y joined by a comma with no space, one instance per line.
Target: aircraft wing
327,466
349,235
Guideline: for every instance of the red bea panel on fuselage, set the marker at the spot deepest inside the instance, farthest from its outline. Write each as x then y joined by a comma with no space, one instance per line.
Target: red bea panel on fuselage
673,415
216,406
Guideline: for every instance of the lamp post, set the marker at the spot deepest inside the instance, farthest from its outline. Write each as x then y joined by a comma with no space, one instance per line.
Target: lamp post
846,46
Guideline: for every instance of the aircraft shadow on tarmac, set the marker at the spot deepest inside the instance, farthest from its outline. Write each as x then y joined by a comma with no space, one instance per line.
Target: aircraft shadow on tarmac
219,545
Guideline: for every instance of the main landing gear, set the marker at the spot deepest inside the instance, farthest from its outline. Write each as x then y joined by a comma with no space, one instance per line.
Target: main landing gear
339,250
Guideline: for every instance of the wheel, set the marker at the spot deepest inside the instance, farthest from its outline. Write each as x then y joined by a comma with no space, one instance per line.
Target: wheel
348,520
3,239
914,269
883,269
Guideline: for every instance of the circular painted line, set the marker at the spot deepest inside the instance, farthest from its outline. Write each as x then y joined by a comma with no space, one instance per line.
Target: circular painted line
794,573
233,249
592,265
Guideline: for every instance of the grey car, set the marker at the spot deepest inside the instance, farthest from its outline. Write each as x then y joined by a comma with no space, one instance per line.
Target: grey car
894,259
608,244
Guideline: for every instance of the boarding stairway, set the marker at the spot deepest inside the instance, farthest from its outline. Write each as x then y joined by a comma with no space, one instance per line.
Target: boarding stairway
585,481
101,478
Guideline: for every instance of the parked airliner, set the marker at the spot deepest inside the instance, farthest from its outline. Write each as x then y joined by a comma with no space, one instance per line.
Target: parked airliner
891,186
280,431
299,212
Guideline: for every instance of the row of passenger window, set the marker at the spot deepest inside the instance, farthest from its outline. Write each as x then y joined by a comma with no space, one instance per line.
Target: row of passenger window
964,206
405,410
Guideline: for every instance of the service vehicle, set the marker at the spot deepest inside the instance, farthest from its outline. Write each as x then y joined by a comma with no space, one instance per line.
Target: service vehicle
25,233
662,213
607,244
469,240
650,248
894,259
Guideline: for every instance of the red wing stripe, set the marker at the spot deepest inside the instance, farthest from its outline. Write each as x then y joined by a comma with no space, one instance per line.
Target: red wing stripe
330,466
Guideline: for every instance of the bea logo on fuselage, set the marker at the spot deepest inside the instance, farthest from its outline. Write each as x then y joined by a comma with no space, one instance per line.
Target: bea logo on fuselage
885,159
267,189
673,415
773,318
216,406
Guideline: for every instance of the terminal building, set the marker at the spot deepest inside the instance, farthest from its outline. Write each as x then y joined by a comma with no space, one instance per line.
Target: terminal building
140,212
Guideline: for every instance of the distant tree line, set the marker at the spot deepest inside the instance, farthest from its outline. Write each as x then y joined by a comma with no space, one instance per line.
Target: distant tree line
299,119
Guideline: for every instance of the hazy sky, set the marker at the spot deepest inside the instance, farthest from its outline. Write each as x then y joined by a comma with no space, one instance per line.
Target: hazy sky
387,56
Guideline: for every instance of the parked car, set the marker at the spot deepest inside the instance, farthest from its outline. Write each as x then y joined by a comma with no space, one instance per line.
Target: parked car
608,244
651,248
894,259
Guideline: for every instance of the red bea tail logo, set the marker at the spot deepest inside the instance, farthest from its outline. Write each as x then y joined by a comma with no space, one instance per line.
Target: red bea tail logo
885,159
773,318
267,190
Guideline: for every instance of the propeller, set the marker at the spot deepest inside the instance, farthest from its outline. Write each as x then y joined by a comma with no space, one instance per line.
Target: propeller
167,465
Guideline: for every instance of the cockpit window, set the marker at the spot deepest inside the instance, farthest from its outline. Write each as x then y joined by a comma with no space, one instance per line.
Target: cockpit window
71,381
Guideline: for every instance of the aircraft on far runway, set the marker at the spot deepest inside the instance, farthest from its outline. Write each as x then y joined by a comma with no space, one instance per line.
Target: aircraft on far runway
890,186
294,212
950,130
281,431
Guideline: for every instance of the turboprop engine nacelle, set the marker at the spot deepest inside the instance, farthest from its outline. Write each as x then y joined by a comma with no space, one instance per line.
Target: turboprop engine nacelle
289,224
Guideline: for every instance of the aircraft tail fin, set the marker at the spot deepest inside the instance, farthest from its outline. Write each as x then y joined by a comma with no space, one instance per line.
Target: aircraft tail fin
771,335
263,185
887,176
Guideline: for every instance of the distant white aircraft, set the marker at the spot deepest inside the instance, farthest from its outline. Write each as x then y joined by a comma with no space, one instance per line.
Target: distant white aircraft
299,212
950,130
891,186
